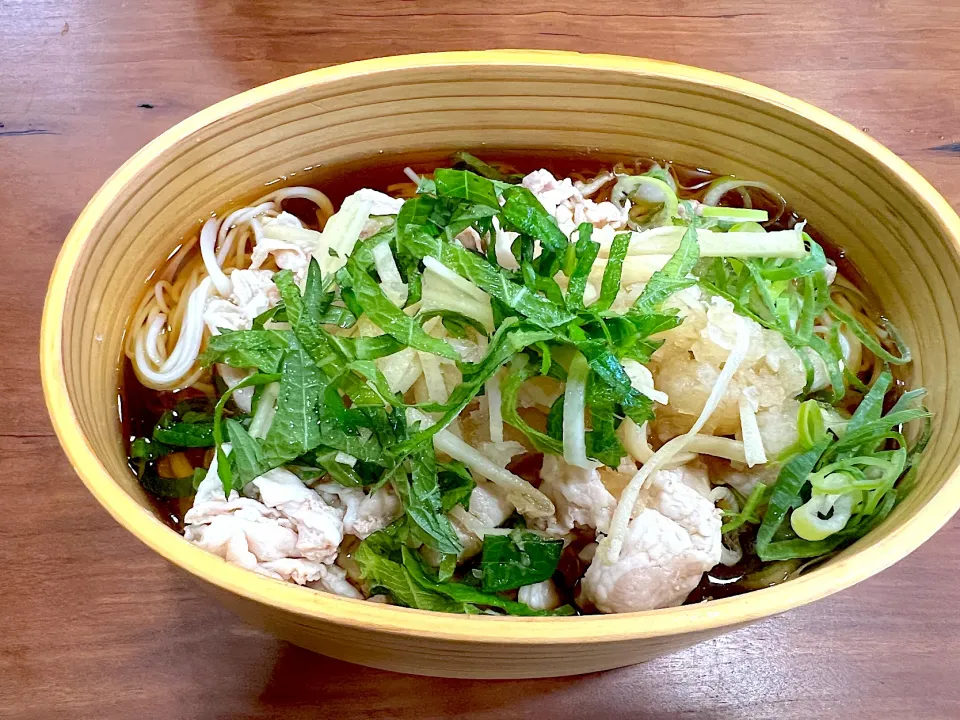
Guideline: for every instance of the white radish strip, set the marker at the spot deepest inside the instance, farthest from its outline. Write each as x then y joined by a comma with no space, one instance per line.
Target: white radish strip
716,446
574,408
472,523
414,178
613,543
402,369
342,232
526,498
752,442
345,458
208,238
634,439
433,378
641,379
503,240
443,289
494,398
266,409
461,283
391,283
635,269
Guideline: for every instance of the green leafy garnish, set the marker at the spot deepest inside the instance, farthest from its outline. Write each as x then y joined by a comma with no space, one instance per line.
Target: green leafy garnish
518,559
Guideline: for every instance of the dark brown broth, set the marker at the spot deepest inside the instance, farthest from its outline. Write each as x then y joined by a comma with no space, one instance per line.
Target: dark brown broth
141,408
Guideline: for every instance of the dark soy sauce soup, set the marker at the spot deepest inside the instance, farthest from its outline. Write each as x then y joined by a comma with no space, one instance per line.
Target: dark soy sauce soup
141,408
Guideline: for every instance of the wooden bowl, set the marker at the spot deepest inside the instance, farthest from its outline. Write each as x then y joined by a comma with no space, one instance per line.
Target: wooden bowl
894,225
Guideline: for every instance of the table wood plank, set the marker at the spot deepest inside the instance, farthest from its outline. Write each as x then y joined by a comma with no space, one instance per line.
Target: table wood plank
93,625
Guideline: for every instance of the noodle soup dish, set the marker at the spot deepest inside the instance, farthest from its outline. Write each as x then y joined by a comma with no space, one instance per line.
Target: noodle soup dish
519,385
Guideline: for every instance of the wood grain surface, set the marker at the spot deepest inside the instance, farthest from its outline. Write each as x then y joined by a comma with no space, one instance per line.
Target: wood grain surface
93,625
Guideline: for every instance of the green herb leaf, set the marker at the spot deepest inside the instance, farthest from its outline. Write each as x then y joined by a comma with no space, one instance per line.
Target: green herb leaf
295,429
518,559
422,501
428,214
383,573
148,449
391,319
509,339
287,285
468,595
193,430
520,371
261,349
586,253
673,277
246,457
610,285
340,472
223,464
602,442
464,185
524,213
492,280
483,169
456,484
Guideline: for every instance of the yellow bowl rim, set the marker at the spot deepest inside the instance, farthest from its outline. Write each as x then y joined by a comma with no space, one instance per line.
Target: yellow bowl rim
470,629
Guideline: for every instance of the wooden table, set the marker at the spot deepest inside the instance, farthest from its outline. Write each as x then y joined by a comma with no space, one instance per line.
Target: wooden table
93,625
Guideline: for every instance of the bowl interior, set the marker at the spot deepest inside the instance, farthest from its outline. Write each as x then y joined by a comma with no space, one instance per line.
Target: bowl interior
894,227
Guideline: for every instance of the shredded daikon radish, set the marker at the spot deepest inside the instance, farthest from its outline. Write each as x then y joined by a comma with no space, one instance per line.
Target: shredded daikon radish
266,409
401,370
433,377
503,240
716,446
612,544
340,234
635,269
435,384
642,381
634,439
472,523
752,442
391,283
345,458
526,498
492,389
574,409
454,279
443,289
